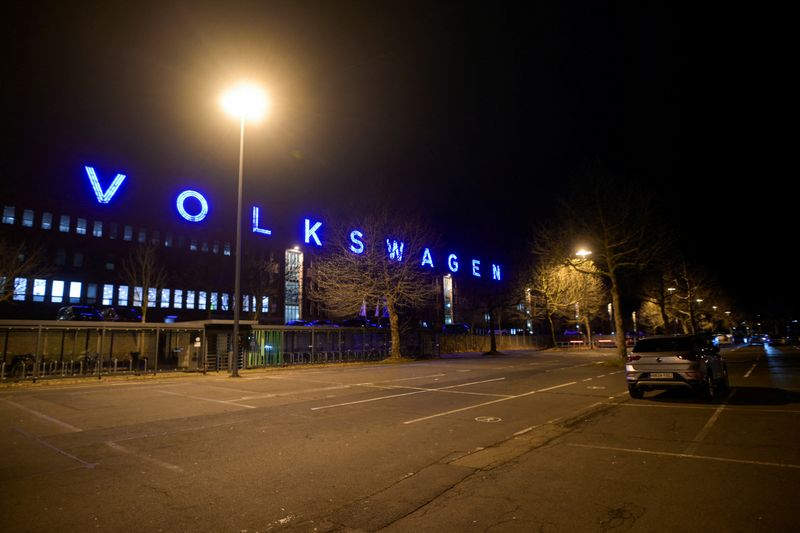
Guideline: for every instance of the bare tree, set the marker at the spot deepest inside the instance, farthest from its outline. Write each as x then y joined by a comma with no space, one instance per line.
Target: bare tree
17,263
142,271
377,262
615,221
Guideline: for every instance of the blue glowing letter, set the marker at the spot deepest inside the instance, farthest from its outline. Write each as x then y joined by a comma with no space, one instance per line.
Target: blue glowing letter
358,246
395,250
452,263
476,268
104,197
311,232
256,229
496,272
182,210
426,258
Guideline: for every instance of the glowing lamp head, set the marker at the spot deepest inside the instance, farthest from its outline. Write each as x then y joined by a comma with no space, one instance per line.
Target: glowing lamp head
246,102
583,253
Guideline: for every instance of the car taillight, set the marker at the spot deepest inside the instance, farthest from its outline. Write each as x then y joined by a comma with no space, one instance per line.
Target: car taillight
634,357
687,357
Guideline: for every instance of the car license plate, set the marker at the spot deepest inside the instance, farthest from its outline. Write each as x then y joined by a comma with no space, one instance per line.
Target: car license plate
660,375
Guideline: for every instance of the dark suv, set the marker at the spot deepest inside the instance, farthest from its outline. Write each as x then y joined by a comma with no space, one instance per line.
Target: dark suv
679,361
78,312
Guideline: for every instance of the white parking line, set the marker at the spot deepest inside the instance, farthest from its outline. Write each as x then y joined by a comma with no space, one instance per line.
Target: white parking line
686,456
226,402
140,455
68,427
701,435
54,448
747,374
487,403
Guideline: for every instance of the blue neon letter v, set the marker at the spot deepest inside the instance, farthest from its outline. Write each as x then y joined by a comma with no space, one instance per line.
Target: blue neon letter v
104,197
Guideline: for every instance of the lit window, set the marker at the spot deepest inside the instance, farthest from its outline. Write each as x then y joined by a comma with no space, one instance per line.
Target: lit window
204,246
193,245
225,300
27,218
20,287
108,294
77,259
91,293
189,299
164,298
122,295
201,300
265,304
137,296
47,220
80,227
227,248
8,214
177,299
74,292
63,224
39,287
245,303
142,236
152,296
97,228
214,300
168,240
128,233
57,292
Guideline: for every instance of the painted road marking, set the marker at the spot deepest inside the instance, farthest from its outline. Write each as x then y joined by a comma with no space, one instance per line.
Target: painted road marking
140,455
192,397
701,435
445,413
59,450
68,427
686,456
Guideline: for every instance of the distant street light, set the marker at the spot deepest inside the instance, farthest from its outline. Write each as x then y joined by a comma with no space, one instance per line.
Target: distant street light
245,102
583,253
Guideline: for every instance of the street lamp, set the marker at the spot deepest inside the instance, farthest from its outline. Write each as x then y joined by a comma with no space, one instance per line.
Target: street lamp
245,102
583,253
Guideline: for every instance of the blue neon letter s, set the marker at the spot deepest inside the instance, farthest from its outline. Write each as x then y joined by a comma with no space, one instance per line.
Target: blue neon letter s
358,245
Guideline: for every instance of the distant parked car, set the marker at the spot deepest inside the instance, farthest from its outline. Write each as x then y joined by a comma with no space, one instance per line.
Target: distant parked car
298,322
757,338
360,322
456,329
79,312
121,314
323,322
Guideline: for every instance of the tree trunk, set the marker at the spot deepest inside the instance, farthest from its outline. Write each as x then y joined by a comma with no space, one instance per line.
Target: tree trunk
588,326
394,328
492,337
616,302
552,330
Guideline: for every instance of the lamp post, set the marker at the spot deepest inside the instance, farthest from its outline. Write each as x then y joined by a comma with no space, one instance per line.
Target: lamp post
245,102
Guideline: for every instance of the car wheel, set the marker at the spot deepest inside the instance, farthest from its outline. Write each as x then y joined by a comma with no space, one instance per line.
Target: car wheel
724,382
635,392
710,386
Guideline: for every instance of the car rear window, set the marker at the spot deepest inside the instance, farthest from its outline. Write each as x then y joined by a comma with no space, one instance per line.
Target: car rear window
663,345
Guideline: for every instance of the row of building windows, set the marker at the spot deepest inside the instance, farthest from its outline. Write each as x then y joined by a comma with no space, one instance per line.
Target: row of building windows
75,292
98,229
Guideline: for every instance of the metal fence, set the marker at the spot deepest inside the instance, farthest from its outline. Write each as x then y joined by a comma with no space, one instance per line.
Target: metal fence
55,349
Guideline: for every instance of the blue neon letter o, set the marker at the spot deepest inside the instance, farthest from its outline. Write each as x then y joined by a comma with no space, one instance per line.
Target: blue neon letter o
182,210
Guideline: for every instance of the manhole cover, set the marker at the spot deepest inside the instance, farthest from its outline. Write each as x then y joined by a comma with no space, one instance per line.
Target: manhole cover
489,419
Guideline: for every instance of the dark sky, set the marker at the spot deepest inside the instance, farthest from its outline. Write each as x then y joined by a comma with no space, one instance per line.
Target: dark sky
477,114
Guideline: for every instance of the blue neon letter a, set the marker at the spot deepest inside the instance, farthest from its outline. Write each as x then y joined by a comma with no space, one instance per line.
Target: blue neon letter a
104,197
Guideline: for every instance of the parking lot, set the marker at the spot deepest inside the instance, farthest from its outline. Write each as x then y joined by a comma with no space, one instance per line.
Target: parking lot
528,440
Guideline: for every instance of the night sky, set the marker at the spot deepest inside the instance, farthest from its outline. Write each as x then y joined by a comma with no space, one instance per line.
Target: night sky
476,114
